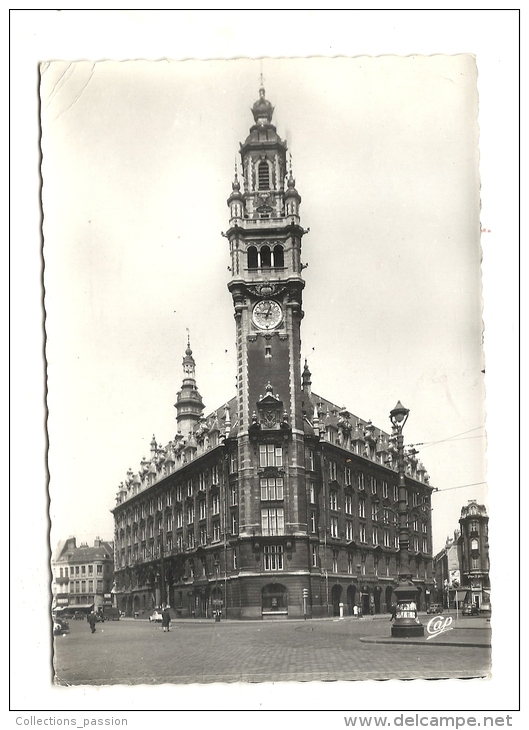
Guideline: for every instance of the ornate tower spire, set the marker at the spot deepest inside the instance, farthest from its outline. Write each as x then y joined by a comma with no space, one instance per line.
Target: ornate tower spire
189,405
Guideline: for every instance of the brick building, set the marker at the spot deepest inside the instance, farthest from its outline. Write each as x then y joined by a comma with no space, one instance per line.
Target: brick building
279,502
82,575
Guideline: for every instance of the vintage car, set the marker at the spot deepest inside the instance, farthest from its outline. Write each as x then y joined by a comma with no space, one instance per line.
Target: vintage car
60,626
434,608
156,617
470,609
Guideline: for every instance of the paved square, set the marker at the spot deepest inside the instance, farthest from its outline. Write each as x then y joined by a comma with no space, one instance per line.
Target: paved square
136,652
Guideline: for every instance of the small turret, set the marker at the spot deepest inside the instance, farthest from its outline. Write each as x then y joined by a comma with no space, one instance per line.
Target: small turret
189,405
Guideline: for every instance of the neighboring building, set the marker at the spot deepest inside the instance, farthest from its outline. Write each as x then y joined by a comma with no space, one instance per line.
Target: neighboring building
447,571
474,552
83,576
280,502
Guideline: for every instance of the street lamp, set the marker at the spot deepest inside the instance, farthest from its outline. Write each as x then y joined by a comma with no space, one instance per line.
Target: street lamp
406,622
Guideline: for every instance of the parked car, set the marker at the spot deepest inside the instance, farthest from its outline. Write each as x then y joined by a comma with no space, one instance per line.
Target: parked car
470,609
79,615
60,626
435,608
156,616
111,614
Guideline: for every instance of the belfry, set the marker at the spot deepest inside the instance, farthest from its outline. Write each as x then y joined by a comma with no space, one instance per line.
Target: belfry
278,504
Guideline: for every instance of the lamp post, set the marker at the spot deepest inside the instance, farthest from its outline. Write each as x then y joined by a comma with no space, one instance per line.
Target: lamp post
162,572
406,622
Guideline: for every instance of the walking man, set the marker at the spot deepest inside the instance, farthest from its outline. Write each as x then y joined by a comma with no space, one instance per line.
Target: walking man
166,619
92,621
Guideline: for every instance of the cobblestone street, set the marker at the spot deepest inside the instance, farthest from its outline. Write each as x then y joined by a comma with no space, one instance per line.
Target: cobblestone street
136,652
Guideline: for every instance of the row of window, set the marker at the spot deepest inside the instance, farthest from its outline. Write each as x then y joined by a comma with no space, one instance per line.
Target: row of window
82,570
81,586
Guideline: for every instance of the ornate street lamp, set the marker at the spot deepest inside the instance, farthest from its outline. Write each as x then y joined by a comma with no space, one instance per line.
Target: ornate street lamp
406,622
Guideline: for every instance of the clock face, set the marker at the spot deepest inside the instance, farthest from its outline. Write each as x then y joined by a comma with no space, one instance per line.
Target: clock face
267,314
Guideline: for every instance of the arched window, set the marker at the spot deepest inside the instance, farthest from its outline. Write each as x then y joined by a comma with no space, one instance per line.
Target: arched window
279,260
263,174
266,257
252,257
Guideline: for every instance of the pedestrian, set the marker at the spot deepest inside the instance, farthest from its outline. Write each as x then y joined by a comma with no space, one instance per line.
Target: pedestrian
166,619
393,612
355,611
92,621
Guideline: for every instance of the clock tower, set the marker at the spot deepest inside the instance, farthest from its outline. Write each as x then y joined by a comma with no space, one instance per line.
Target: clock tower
266,285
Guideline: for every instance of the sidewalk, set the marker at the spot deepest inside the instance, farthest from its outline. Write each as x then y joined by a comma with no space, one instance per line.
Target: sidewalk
461,633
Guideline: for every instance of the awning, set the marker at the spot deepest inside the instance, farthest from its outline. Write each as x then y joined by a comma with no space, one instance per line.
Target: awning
460,596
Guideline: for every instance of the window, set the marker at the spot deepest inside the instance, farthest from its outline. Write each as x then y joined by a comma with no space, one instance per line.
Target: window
233,463
263,175
76,570
334,526
273,557
178,494
234,529
375,564
415,525
312,493
90,586
233,496
425,544
314,556
160,503
363,533
190,539
83,569
252,258
374,513
396,542
384,489
414,499
375,535
361,481
216,530
190,488
83,586
333,500
99,586
270,455
387,567
178,520
77,586
474,544
373,481
168,499
272,521
169,523
279,258
202,536
350,563
234,557
190,514
361,508
313,521
311,460
348,504
395,493
335,561
202,509
348,530
215,504
99,569
71,569
272,488
332,470
215,474
474,564
202,481
347,476
387,539
363,561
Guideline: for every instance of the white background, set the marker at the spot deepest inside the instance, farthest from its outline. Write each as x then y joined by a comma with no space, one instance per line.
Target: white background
48,35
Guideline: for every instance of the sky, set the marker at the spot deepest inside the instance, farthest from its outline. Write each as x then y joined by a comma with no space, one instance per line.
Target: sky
133,256
136,170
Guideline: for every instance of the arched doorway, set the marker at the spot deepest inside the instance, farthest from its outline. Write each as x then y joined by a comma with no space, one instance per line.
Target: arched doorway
366,609
136,604
274,601
351,596
336,595
129,606
217,602
389,593
377,591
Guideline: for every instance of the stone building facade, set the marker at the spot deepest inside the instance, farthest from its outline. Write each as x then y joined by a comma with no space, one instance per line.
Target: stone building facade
83,575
